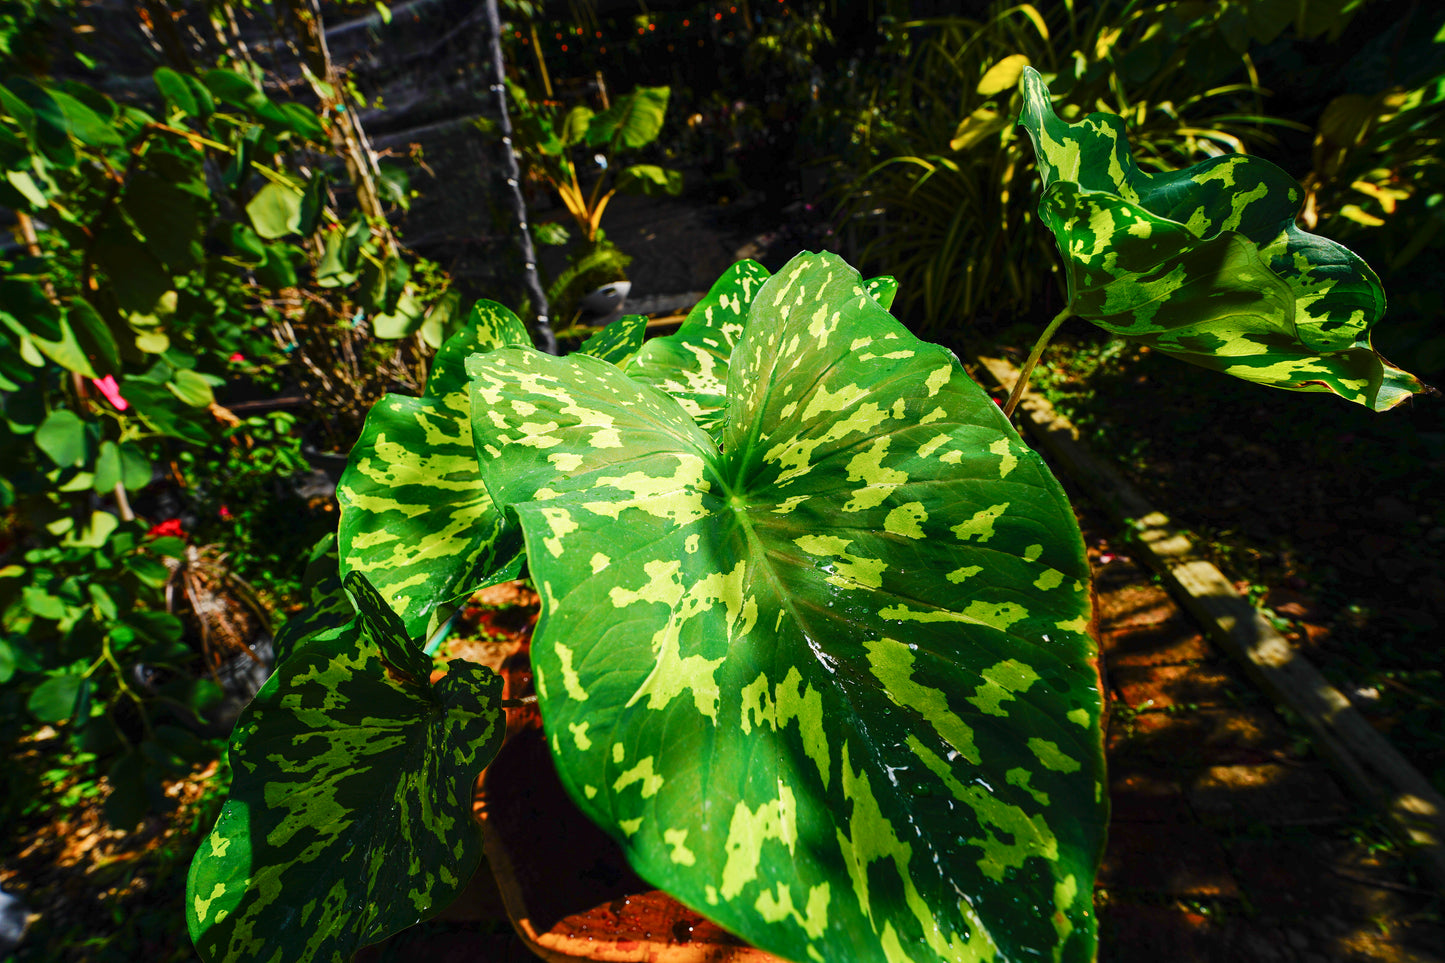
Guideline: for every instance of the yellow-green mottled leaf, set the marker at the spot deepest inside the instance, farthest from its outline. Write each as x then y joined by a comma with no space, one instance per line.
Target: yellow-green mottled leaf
1206,263
829,685
619,341
415,516
349,816
692,363
327,605
882,289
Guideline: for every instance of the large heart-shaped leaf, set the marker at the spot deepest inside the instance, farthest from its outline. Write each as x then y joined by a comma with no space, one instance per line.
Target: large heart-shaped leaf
415,517
350,809
1206,264
691,364
831,685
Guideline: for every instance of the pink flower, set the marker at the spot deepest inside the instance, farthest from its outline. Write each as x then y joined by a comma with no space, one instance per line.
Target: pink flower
111,390
226,515
236,358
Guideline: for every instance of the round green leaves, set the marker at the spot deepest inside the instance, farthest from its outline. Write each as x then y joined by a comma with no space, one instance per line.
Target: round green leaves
1206,264
829,684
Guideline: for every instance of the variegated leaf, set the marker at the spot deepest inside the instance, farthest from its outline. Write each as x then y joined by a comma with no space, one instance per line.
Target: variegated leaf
349,816
327,606
1206,264
619,341
831,685
882,289
490,326
415,517
691,364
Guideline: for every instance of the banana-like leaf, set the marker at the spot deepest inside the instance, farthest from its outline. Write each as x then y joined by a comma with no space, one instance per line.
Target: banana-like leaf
350,809
619,341
830,685
633,120
691,364
1206,264
415,517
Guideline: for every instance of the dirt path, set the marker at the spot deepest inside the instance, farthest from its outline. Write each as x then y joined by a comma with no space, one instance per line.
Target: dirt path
1228,839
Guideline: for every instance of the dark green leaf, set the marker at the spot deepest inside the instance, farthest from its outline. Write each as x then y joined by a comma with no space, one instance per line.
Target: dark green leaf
150,571
129,802
443,320
303,121
52,130
169,546
176,91
7,662
87,126
327,604
245,242
136,276
231,88
64,439
168,216
165,413
94,337
633,120
619,341
275,211
191,388
831,685
313,202
205,105
278,270
350,806
649,179
54,699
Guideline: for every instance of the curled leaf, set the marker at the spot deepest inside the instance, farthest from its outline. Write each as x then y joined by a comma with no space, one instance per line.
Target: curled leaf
1206,264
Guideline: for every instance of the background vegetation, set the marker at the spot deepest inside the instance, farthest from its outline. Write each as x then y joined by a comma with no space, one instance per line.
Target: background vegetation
211,279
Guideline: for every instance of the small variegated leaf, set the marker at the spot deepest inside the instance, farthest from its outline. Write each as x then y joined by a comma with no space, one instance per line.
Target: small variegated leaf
490,326
619,341
1206,264
327,605
415,517
398,653
349,816
829,685
882,289
691,364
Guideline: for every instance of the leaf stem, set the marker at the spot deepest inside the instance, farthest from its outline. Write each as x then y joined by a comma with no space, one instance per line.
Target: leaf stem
1033,359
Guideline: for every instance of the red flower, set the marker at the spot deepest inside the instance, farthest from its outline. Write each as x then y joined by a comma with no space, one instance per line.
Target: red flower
226,515
171,527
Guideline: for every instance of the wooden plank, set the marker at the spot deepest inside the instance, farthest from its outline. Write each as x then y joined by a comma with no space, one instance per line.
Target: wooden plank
1363,758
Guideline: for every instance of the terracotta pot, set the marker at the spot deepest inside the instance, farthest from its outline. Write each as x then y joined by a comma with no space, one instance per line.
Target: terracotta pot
566,886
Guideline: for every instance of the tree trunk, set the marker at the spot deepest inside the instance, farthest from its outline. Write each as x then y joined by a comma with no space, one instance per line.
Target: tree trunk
542,328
